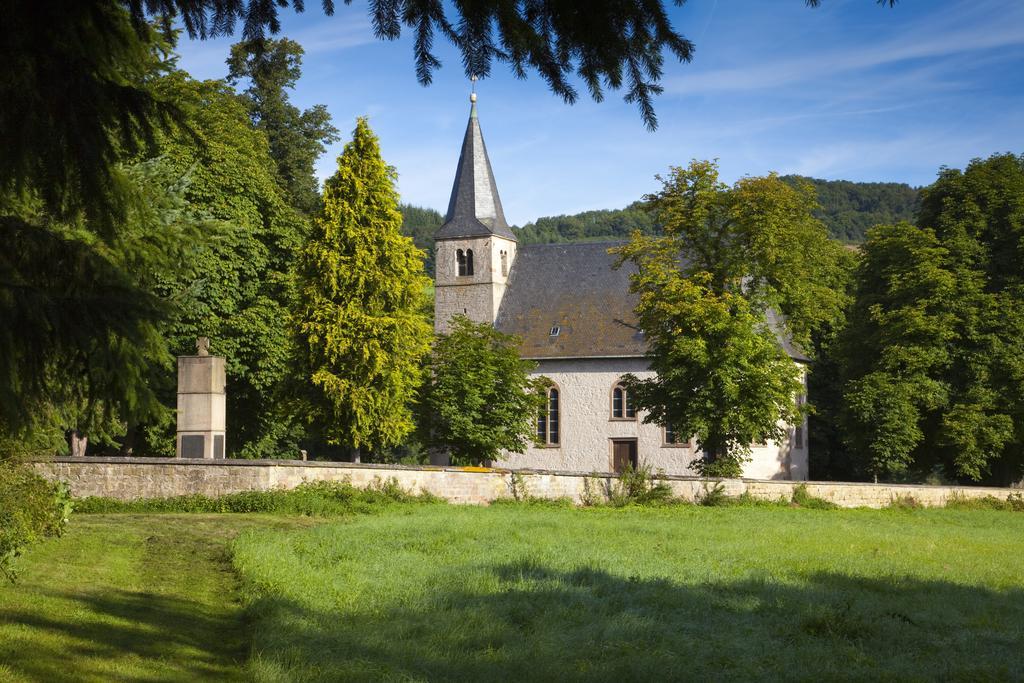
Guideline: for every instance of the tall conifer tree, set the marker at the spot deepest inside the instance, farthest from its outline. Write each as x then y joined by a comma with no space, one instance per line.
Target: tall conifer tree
362,327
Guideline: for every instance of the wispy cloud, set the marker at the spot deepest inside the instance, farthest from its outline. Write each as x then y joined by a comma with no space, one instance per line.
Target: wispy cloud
971,27
338,33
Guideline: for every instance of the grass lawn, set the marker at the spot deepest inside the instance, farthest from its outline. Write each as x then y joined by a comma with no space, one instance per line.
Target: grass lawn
129,598
540,593
523,592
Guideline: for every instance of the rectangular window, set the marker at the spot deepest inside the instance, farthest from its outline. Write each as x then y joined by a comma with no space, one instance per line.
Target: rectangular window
553,417
798,433
542,427
617,402
630,411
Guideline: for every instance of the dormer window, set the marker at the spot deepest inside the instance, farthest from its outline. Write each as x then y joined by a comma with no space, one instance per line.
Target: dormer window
464,259
555,331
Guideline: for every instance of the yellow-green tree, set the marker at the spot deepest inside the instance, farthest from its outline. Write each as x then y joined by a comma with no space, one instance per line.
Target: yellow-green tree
362,327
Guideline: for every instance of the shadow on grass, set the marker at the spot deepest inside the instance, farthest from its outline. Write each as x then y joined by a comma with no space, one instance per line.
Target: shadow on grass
124,635
528,621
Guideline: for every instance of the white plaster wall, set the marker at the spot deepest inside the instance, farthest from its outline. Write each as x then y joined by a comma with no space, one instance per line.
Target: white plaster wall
477,296
586,428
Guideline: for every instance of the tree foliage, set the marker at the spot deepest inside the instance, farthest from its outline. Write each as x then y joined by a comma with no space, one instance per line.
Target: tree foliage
478,397
232,276
74,104
934,376
361,322
297,138
613,44
31,509
709,290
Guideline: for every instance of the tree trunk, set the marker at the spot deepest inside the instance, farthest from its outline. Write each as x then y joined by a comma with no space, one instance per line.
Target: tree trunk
128,444
79,443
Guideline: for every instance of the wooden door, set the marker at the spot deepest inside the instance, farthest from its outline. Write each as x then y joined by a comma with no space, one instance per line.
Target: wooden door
623,454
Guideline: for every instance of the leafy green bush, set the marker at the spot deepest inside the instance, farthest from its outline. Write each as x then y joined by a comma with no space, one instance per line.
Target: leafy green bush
31,509
805,500
904,502
594,491
639,487
314,499
714,496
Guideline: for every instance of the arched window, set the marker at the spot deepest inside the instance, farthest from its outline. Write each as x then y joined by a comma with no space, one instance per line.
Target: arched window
504,263
547,419
460,258
469,262
622,403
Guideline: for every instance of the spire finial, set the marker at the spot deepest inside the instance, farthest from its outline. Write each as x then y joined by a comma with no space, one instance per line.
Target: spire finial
472,94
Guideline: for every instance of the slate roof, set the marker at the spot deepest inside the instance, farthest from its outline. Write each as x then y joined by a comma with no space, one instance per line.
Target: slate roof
787,344
573,287
474,209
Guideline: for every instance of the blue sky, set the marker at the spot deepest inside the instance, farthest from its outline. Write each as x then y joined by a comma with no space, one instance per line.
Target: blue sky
849,90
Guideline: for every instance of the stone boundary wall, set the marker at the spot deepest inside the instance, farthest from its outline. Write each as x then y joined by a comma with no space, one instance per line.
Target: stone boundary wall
128,478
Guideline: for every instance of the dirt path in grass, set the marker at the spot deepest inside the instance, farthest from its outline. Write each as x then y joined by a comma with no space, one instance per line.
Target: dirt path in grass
129,597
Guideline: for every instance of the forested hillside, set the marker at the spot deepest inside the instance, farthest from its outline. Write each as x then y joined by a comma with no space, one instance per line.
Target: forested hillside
848,209
590,226
420,224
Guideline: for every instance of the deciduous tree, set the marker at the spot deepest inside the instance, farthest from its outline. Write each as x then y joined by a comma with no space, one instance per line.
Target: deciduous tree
478,398
932,357
738,270
297,138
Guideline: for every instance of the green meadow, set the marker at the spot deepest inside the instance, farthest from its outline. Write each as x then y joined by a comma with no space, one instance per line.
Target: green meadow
420,591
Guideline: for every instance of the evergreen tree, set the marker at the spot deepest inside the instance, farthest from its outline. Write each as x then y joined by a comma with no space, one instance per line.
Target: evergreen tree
360,319
297,138
478,397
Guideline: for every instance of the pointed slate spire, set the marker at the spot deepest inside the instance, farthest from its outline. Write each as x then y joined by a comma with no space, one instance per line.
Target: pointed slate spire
475,208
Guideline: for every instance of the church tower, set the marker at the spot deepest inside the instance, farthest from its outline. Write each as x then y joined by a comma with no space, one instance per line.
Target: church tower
474,248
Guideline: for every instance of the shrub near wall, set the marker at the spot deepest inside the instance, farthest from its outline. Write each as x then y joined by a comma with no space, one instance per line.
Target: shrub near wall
31,509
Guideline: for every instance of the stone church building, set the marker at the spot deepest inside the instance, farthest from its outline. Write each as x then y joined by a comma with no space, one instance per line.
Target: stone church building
574,314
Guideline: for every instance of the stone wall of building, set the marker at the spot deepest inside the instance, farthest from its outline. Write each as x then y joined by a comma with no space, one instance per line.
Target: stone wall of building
477,296
128,478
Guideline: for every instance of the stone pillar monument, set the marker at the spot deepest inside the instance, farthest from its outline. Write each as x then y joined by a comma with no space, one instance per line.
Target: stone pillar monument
201,404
